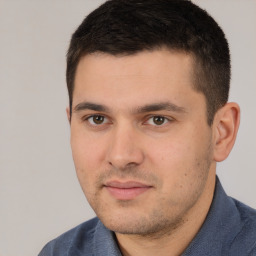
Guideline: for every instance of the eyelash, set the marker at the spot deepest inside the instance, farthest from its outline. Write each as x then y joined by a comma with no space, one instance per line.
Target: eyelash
93,116
165,120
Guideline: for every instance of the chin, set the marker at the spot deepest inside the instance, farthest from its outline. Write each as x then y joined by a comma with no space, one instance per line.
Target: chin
133,224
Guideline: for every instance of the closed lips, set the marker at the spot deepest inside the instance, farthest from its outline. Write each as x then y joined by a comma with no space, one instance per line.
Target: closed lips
126,185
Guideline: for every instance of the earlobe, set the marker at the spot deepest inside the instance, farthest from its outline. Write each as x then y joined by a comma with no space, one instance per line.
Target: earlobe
226,124
68,114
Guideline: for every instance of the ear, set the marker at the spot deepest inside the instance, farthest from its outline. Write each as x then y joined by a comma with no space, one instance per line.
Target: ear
226,123
68,114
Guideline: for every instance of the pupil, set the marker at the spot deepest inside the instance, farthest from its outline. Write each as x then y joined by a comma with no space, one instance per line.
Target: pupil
158,120
98,119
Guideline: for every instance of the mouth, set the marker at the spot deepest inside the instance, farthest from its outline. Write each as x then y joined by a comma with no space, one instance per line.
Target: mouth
126,190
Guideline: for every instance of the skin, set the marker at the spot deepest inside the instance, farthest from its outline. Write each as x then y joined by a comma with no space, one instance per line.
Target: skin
138,119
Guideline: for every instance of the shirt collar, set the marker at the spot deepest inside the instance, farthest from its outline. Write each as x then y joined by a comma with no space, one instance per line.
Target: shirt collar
104,242
219,229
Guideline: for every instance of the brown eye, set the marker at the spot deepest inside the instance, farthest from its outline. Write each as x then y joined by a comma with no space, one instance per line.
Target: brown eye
96,120
159,120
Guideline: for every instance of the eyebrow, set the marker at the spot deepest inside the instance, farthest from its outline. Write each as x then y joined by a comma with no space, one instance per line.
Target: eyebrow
161,106
168,106
90,106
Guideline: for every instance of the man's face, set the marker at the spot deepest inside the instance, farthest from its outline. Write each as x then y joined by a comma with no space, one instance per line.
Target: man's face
140,140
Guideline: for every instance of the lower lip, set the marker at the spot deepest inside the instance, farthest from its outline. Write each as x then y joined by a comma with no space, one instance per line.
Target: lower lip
126,193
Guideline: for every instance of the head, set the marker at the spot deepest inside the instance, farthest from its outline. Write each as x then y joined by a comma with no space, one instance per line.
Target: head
148,83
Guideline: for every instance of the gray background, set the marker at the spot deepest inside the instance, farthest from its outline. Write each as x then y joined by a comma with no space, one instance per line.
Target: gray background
40,196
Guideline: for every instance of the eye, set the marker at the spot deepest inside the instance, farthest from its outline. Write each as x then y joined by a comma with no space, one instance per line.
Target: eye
157,120
97,120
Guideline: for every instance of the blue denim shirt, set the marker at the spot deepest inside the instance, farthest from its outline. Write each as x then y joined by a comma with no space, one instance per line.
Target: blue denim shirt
229,230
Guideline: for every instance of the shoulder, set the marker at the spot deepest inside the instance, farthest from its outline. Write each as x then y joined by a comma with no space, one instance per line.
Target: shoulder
81,235
246,237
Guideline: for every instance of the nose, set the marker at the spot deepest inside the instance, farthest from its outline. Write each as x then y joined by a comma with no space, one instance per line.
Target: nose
124,148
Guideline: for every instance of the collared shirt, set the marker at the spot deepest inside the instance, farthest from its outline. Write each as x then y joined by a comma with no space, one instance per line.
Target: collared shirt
229,230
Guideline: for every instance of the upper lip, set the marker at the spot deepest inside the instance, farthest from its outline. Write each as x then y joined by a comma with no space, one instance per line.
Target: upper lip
126,184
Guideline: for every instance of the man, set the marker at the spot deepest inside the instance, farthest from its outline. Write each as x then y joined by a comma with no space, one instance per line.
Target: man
148,85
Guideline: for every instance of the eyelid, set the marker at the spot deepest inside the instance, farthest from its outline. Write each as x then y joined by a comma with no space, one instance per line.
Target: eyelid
167,119
87,117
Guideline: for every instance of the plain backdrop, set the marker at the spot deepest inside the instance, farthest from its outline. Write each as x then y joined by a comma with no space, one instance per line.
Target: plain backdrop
40,196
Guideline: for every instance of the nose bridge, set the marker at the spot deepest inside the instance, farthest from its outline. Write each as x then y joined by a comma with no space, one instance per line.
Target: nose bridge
124,149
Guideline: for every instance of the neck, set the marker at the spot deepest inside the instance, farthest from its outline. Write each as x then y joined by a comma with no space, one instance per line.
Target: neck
175,242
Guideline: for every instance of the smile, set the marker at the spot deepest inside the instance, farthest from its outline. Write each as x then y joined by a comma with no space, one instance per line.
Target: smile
126,190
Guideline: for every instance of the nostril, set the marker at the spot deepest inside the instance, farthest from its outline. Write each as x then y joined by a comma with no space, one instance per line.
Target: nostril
124,166
132,164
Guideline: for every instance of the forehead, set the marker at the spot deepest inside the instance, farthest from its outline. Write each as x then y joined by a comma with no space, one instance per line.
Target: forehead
146,63
145,76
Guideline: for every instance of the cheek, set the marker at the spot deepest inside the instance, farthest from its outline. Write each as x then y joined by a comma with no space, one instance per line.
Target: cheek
87,151
88,155
177,158
183,169
171,154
